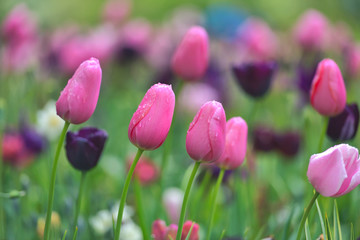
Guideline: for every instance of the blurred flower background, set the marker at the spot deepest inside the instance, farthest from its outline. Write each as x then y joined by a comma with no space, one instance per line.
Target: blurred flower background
263,56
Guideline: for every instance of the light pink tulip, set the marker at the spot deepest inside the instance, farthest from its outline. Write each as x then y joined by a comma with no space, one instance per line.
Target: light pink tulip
235,144
171,232
328,93
77,102
191,58
311,30
159,229
151,122
336,171
205,139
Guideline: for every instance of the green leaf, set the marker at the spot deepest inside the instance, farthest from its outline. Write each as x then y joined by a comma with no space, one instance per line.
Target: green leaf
338,219
328,228
189,233
321,218
352,234
64,236
287,226
75,233
222,234
307,230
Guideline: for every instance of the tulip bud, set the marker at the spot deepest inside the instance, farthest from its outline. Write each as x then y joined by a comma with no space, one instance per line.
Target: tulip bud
288,143
311,30
84,148
235,145
171,232
151,122
146,170
255,78
78,100
336,171
158,230
190,60
205,139
328,93
344,126
194,235
264,139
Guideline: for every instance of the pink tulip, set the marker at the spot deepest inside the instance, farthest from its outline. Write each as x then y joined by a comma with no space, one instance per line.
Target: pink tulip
151,122
352,60
328,93
311,31
146,170
235,144
78,100
336,171
171,232
191,58
159,229
194,235
115,11
205,139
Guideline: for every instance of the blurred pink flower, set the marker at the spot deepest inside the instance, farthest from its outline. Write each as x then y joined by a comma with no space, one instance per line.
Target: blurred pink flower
172,199
352,60
146,170
312,29
115,11
136,34
14,151
257,40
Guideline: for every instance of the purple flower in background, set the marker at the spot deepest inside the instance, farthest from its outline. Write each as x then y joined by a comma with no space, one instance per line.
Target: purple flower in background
34,142
83,149
264,139
255,78
288,143
344,126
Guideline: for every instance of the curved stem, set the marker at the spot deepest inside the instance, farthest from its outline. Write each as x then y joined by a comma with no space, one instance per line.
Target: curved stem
323,133
52,181
213,202
186,197
78,201
140,208
306,213
124,193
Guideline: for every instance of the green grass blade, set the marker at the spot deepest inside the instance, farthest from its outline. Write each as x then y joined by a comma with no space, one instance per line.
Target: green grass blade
287,226
328,228
222,234
321,218
307,230
64,236
338,220
334,223
189,233
352,234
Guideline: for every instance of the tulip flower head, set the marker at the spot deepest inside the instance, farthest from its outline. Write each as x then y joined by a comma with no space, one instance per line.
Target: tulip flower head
235,145
77,102
336,171
162,232
151,122
288,143
84,148
344,126
146,170
191,58
255,78
205,139
328,93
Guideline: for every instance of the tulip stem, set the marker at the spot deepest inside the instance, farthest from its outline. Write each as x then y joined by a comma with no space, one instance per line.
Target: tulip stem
52,181
322,136
124,194
186,197
140,209
213,202
306,213
78,201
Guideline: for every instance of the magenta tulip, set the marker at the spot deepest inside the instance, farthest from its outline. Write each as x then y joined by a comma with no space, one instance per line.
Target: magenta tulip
205,139
328,93
151,122
336,171
191,58
77,102
235,144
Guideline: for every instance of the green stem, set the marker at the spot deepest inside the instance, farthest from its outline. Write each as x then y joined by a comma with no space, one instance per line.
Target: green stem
124,194
78,201
306,213
186,196
52,181
140,209
199,193
213,202
323,133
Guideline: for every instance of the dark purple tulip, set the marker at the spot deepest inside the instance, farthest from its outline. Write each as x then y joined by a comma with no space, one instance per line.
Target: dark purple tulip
264,139
214,76
344,126
255,78
288,143
83,149
34,142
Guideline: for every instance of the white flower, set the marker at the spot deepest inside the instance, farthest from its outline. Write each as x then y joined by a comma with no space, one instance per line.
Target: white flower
172,199
49,123
130,230
127,214
101,222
